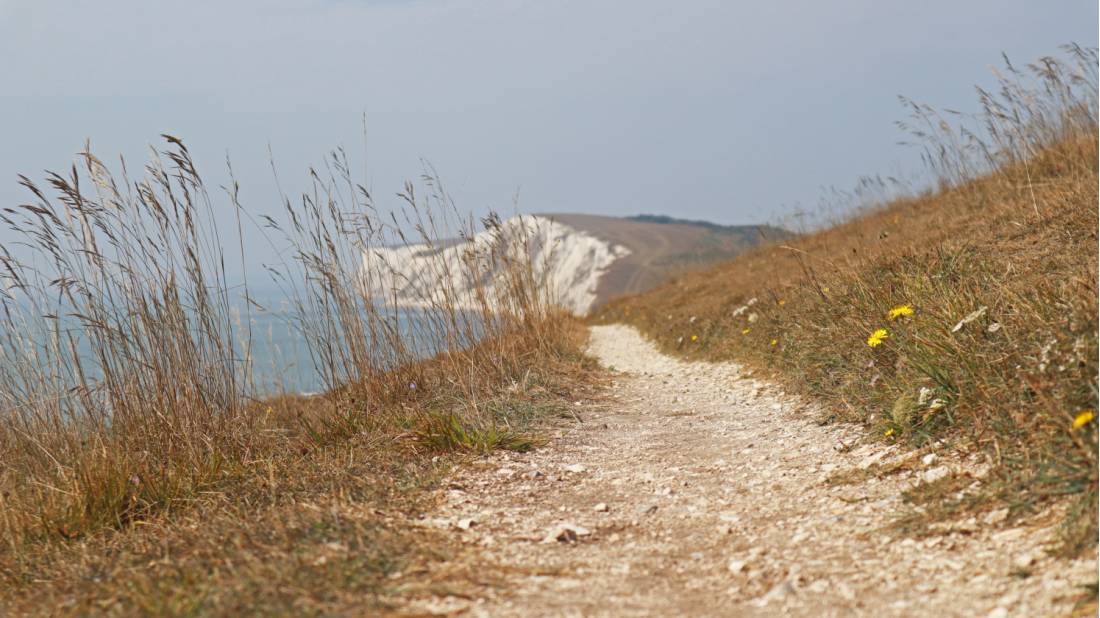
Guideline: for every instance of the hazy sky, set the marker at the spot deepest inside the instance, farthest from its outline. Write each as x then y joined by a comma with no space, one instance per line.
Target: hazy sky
728,111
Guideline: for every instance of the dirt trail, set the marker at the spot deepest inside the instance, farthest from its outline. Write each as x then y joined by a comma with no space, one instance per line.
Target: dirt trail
696,491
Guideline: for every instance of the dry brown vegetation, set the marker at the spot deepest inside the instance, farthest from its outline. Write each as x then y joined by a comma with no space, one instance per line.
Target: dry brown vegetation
662,248
1005,248
141,472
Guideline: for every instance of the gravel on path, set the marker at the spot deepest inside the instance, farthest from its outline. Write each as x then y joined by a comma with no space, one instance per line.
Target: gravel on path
695,490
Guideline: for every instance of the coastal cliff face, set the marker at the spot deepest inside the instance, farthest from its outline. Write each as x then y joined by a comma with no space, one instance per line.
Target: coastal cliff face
569,261
663,248
584,260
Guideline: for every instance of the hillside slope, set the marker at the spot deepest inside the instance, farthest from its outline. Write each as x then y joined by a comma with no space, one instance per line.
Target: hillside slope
663,247
962,320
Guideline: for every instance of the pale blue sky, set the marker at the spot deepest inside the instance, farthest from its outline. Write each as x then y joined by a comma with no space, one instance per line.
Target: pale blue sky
727,111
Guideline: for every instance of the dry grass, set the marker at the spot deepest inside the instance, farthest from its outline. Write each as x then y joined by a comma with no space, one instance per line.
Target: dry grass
140,472
304,530
1011,229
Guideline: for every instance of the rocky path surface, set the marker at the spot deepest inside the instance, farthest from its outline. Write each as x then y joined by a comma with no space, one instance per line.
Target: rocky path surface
695,490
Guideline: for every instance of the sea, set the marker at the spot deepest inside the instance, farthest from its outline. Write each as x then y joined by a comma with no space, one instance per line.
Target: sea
269,344
281,361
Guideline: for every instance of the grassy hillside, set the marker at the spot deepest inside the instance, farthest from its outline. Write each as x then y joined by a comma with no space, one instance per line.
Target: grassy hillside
663,247
961,320
140,472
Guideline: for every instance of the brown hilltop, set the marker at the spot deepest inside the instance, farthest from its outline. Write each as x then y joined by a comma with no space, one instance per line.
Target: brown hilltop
663,247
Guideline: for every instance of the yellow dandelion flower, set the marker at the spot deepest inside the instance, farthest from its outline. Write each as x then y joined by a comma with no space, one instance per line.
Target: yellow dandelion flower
889,432
1084,418
900,311
877,337
825,289
695,337
781,302
745,332
775,342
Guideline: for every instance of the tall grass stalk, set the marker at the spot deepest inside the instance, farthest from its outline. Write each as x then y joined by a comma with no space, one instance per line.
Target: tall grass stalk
125,372
995,351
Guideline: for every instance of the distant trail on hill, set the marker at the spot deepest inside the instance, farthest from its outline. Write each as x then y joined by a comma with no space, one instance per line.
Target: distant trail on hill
693,489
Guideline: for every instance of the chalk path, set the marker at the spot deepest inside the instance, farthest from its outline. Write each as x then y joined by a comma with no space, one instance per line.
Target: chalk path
695,490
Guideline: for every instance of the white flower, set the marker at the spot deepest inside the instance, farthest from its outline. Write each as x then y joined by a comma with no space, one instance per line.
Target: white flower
1044,354
924,395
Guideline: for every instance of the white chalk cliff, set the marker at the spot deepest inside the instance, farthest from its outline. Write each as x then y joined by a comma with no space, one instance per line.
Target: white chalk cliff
570,262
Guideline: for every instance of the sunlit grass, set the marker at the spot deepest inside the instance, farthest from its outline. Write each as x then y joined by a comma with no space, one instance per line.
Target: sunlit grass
966,315
127,391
